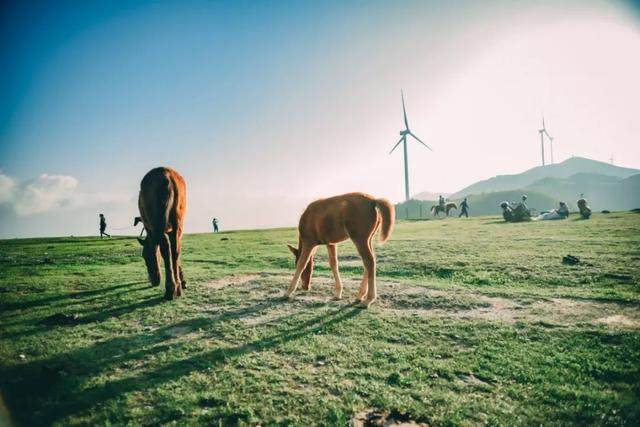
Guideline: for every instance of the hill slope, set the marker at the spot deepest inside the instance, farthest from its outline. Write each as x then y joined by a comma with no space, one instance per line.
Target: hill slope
602,192
566,169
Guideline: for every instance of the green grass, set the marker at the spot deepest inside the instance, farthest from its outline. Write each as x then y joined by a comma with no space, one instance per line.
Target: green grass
478,322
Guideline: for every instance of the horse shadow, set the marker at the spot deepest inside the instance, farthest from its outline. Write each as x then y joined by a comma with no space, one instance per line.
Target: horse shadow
60,378
24,305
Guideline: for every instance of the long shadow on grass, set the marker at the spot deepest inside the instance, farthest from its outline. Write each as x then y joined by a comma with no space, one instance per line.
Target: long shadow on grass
90,315
38,398
23,305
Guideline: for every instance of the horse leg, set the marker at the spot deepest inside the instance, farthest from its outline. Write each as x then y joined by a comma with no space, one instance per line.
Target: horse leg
176,249
179,272
369,262
303,259
362,293
170,284
183,282
332,250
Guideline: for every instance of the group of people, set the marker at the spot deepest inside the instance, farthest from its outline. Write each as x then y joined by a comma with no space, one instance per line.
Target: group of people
520,212
464,206
103,225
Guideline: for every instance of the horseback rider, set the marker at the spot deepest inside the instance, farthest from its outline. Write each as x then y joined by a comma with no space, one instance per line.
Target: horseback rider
441,201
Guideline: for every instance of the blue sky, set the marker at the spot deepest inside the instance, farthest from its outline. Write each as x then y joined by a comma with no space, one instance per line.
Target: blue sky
264,106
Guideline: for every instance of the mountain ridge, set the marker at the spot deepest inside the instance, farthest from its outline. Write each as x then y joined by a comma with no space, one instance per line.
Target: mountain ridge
565,169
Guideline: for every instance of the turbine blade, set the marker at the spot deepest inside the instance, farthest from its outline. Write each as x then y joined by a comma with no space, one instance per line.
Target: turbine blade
395,146
547,133
404,111
420,141
543,126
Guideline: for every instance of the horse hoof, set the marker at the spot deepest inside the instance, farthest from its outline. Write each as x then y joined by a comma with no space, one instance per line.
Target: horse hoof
367,303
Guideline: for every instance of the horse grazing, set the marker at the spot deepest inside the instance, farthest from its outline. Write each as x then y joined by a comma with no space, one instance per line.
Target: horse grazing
163,204
330,221
436,209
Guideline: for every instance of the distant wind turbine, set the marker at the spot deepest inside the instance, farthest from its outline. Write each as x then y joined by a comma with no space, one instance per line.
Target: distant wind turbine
542,133
403,140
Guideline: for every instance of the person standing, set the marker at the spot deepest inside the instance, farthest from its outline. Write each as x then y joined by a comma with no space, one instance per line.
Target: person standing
463,208
103,226
215,225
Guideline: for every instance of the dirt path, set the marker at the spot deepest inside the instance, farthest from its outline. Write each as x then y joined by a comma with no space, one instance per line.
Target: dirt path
422,301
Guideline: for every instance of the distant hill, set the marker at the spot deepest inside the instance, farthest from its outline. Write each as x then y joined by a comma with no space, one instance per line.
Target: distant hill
566,169
630,189
601,191
605,186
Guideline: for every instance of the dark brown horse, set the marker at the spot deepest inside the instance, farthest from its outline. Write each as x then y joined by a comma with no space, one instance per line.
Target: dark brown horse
163,204
436,209
354,216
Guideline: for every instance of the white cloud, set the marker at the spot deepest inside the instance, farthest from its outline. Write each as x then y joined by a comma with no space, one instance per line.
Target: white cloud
51,192
7,188
45,193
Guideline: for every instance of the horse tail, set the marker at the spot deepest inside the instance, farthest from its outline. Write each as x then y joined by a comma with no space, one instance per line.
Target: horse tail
164,200
387,211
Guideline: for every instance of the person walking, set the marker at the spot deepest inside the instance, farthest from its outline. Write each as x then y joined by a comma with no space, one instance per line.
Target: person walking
464,206
103,226
215,225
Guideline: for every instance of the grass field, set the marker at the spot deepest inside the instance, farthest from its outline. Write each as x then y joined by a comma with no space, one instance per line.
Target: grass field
477,322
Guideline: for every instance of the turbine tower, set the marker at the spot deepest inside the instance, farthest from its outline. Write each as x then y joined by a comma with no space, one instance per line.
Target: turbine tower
403,140
542,133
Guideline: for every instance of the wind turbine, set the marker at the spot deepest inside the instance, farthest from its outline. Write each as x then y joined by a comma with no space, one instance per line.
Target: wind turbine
542,133
403,140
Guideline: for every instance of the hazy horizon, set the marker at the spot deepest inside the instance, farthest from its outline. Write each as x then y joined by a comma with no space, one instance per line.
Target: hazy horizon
263,108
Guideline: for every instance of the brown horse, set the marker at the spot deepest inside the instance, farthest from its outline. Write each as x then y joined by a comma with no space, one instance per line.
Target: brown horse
163,204
330,221
436,209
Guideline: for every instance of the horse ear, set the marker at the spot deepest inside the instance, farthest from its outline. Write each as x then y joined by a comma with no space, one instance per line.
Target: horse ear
293,250
141,241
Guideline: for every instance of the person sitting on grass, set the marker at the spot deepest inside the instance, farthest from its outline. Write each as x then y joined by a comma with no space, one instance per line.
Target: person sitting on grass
585,210
518,214
561,213
521,211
